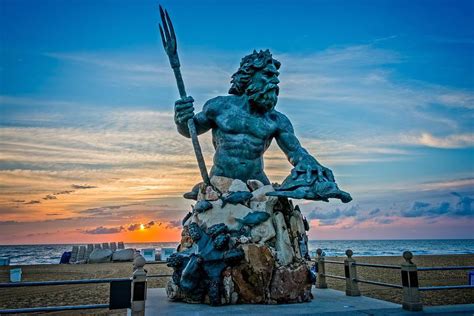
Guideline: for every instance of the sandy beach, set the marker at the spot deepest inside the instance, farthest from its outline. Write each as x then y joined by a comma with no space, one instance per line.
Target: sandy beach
98,294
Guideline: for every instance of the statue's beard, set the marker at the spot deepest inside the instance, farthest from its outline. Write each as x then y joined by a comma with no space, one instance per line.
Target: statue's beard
263,99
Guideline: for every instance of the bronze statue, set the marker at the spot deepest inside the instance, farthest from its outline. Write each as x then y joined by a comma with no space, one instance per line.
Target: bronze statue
243,125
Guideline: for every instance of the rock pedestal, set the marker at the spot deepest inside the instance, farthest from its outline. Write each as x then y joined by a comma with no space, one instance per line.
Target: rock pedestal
241,246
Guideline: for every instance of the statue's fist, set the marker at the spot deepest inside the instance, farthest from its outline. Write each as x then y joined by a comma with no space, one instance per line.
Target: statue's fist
309,166
183,110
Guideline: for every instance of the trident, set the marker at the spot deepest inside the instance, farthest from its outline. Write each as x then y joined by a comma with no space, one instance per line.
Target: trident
168,38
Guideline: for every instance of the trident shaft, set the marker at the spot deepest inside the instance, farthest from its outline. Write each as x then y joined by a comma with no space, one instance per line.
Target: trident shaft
168,38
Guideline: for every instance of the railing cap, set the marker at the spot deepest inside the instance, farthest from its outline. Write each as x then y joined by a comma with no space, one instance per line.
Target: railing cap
407,255
349,253
139,261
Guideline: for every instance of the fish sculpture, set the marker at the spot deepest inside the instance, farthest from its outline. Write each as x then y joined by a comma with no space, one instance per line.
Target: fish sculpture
239,197
253,218
186,218
202,206
301,188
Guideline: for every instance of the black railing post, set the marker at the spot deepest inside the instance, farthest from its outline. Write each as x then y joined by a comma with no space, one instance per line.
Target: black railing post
139,286
321,280
352,288
411,300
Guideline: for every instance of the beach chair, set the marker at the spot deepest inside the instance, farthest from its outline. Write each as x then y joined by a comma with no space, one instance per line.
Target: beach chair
81,256
97,246
90,248
4,261
105,245
113,246
121,245
75,250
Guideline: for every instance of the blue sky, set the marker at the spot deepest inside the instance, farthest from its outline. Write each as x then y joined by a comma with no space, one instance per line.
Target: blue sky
382,92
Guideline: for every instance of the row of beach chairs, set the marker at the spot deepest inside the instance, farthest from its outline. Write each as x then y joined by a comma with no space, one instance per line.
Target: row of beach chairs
81,253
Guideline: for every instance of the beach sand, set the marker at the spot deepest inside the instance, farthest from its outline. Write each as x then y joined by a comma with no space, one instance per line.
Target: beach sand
98,294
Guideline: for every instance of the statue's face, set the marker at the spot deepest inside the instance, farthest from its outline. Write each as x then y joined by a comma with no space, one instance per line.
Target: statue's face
263,89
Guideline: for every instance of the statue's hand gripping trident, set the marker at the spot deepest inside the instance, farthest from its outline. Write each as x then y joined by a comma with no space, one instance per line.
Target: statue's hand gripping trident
168,38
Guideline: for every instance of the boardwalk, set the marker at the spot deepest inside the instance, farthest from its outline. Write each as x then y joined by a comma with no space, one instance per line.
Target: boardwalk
326,302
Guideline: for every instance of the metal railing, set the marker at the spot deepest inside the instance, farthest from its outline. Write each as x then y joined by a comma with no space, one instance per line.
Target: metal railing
411,299
124,292
61,282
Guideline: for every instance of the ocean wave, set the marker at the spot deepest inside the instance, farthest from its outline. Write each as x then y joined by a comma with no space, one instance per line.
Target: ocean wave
51,254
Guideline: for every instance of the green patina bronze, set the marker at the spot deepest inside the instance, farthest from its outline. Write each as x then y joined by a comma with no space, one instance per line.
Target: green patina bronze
243,125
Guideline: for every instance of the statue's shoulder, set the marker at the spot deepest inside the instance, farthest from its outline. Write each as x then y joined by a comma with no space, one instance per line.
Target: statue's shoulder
281,119
217,104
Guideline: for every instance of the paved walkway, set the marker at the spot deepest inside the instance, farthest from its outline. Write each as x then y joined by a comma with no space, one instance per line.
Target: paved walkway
325,302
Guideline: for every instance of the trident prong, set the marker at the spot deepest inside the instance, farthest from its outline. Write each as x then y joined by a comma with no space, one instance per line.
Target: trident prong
168,38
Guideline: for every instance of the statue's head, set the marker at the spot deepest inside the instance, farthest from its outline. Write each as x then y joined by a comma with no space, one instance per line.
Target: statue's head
257,78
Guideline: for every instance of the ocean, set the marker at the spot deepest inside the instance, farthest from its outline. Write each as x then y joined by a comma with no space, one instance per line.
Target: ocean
51,254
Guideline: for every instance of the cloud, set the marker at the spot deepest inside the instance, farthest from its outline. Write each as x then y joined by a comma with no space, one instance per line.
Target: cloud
384,221
133,227
104,230
374,212
419,209
423,209
335,214
8,223
446,142
83,186
32,202
138,226
332,217
133,150
50,197
447,184
64,192
363,216
173,224
428,211
464,205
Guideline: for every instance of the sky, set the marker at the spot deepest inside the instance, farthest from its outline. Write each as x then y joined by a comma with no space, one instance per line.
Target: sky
381,92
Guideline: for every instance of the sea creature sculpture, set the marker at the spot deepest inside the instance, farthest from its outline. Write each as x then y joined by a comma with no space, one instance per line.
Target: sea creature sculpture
202,206
186,218
253,218
309,188
193,194
217,229
239,197
306,224
199,269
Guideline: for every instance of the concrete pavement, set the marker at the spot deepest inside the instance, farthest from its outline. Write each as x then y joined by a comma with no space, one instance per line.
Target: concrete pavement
325,302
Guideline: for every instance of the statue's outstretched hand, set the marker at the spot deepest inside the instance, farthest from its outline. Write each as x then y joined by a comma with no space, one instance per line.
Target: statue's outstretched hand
183,110
312,168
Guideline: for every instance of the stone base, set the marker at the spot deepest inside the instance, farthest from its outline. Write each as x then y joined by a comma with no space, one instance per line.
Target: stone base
241,246
258,280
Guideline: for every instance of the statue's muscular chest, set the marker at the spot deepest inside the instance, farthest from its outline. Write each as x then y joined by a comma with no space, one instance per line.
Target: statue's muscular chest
234,120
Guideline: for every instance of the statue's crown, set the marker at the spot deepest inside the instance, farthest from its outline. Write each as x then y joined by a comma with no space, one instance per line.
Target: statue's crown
258,60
